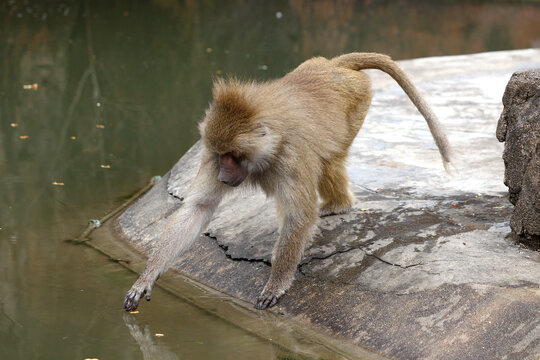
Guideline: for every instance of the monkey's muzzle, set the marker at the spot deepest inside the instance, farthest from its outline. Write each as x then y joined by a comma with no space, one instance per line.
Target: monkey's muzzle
231,170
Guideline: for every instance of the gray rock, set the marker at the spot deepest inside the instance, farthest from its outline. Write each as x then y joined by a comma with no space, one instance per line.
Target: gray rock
422,266
519,128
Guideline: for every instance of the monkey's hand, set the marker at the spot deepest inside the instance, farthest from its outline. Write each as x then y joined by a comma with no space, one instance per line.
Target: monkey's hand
138,290
268,299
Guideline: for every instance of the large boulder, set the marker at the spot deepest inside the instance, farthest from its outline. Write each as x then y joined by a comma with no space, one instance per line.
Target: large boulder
519,128
420,268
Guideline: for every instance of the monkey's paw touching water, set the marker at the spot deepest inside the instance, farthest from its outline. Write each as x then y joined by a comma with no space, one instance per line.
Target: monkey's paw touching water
134,295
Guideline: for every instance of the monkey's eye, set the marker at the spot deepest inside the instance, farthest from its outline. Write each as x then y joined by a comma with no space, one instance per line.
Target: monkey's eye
235,155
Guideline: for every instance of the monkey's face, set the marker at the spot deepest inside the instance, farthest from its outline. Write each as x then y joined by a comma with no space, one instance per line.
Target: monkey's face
246,153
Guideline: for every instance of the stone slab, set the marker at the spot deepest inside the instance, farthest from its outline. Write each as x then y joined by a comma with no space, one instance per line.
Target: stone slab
422,266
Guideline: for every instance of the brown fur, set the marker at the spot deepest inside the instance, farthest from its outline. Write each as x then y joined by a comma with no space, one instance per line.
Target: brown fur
234,115
292,136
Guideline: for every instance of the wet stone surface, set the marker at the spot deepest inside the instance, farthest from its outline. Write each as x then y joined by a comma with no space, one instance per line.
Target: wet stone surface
422,267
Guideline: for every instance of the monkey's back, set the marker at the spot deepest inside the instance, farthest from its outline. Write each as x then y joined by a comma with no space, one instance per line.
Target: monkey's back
330,101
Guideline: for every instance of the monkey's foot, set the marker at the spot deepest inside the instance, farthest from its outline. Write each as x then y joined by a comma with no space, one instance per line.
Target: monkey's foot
266,300
134,295
333,210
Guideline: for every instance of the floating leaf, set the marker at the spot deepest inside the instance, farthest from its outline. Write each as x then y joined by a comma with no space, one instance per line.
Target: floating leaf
33,86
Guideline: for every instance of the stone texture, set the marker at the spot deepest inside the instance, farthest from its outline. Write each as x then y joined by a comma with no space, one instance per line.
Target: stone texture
519,128
421,267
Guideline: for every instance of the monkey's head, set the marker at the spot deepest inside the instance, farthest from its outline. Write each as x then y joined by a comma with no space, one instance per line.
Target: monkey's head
235,131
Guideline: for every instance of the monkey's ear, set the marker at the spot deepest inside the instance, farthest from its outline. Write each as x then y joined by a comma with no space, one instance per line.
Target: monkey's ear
261,129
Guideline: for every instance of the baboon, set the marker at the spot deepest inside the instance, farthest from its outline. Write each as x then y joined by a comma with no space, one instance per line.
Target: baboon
290,137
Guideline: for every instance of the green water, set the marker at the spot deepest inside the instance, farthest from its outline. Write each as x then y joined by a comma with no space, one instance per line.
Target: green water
120,86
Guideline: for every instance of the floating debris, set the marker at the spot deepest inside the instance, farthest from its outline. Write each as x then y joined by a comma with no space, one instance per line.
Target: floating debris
279,15
209,50
159,335
58,183
14,124
194,341
134,312
100,126
73,137
33,86
24,137
219,72
105,166
263,67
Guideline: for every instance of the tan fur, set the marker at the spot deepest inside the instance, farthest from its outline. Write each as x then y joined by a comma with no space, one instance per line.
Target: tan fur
293,135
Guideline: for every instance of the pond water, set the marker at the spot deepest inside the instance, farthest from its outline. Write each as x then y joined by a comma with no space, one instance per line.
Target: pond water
97,97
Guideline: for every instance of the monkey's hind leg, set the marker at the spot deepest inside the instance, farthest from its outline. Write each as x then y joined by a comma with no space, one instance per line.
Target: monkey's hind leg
334,189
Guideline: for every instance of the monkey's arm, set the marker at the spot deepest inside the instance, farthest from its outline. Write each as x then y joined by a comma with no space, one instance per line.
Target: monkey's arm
182,229
298,214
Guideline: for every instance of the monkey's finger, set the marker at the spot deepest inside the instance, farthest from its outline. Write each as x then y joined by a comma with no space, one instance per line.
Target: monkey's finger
148,296
265,302
130,304
260,305
132,300
274,301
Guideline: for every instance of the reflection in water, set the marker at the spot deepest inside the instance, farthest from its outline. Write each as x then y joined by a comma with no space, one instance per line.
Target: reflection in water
119,88
145,339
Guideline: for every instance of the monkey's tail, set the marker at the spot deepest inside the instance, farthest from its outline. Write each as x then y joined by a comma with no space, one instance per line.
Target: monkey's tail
361,61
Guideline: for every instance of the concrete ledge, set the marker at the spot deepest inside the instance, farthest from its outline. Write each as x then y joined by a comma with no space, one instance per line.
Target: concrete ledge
421,268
